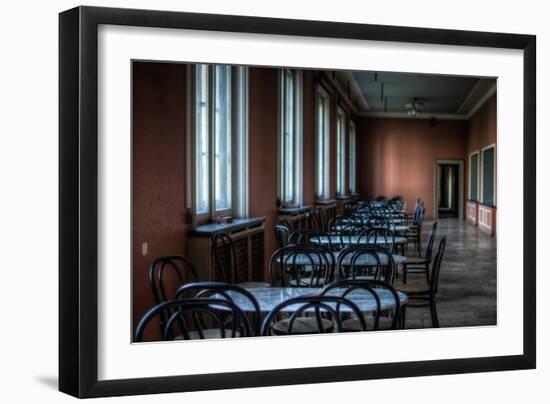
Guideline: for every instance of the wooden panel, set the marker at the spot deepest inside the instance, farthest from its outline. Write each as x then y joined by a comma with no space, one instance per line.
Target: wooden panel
487,219
471,212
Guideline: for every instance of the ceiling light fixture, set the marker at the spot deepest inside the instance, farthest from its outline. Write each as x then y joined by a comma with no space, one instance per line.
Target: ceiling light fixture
414,108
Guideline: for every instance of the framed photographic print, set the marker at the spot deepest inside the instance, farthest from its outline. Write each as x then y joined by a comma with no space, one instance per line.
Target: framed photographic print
252,201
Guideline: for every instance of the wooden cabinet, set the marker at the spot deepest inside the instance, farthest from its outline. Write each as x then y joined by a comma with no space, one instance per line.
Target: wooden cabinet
247,235
297,218
325,212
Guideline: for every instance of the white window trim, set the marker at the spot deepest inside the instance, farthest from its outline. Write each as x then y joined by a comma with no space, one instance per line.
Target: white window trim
482,199
352,185
241,94
341,145
239,145
297,198
325,138
470,175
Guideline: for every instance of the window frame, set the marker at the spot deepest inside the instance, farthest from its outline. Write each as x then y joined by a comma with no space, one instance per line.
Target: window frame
322,147
341,152
352,141
477,199
238,127
482,197
296,198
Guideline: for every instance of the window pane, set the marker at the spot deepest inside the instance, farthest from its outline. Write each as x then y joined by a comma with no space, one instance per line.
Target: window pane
488,176
222,137
288,140
473,177
202,144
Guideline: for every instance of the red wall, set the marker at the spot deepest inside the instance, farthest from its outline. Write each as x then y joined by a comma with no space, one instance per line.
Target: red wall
158,169
482,132
397,156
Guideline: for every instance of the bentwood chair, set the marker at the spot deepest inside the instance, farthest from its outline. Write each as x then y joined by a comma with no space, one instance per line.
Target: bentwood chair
221,290
425,295
301,265
282,234
422,264
169,267
227,262
414,233
387,309
311,314
196,319
366,262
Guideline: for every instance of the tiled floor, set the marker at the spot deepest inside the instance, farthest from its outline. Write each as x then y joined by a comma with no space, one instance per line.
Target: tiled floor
467,284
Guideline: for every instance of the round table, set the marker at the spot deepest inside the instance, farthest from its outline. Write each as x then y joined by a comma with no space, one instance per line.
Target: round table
363,259
268,298
338,240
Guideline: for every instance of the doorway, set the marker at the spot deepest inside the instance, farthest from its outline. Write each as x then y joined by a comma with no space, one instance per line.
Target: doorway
449,189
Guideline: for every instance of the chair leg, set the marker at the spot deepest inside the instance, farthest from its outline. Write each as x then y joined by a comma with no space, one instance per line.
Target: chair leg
427,273
419,245
433,309
402,319
404,274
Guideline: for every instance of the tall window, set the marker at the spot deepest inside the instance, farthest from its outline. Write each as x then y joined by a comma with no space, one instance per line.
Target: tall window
216,114
290,144
488,176
323,142
202,138
352,158
474,175
340,152
222,137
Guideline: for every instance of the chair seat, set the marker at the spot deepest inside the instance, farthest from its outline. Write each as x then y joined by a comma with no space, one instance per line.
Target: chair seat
353,324
302,325
210,333
253,285
414,261
414,289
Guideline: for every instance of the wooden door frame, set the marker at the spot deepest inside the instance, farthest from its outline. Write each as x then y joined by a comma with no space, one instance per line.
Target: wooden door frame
460,163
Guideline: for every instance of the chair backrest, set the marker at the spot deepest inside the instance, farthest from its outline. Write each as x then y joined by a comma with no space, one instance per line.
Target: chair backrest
224,252
178,265
303,236
382,237
196,315
332,308
375,289
282,234
302,265
430,246
436,266
357,260
221,290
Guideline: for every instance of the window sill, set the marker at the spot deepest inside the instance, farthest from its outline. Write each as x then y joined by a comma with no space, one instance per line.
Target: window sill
294,210
206,230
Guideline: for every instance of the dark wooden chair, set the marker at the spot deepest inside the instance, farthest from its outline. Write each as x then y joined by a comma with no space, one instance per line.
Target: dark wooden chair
421,264
166,268
196,319
227,262
221,290
380,318
282,234
425,295
414,233
301,265
312,314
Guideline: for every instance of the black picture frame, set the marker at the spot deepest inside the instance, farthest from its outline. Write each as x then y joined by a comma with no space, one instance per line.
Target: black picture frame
78,200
